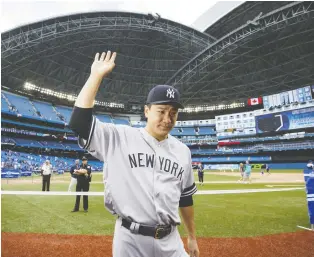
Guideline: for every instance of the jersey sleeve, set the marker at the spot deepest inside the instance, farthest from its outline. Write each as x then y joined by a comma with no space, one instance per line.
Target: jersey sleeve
103,139
189,187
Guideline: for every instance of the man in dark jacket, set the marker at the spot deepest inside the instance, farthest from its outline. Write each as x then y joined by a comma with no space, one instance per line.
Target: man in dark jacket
83,179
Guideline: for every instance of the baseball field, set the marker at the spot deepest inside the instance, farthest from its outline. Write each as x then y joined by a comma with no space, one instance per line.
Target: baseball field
229,223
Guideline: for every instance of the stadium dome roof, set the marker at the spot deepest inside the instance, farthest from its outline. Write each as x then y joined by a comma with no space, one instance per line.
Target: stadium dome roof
57,53
270,53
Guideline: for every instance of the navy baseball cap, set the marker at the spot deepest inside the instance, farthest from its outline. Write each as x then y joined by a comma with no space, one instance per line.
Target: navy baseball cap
164,94
84,158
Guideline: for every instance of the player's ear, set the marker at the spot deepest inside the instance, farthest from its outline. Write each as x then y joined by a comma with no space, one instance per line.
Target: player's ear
146,110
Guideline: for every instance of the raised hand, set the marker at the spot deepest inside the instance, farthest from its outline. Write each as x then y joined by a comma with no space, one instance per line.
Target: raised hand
104,64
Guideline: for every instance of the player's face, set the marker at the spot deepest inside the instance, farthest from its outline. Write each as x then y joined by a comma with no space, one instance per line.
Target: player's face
84,162
160,120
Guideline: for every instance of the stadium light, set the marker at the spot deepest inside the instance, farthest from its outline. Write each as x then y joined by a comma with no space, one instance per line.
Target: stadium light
203,107
47,91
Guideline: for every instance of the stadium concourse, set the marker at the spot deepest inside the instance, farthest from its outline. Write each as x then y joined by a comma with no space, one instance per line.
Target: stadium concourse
247,82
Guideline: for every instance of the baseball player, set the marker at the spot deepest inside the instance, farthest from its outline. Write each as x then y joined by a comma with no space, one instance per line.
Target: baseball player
148,173
74,168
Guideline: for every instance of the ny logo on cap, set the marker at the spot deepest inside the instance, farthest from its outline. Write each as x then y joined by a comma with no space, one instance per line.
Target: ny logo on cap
170,93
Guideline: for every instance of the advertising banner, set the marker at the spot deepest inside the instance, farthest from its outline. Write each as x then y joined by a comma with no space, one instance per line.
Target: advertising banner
284,121
6,173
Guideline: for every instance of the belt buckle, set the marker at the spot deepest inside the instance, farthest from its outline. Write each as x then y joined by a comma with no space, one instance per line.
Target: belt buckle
158,230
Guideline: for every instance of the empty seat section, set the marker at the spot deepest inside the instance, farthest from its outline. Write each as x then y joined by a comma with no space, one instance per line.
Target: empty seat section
65,112
46,110
183,131
104,118
206,131
27,142
22,104
122,121
4,105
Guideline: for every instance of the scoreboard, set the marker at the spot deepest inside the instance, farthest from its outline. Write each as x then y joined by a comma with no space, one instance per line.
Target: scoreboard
285,98
284,121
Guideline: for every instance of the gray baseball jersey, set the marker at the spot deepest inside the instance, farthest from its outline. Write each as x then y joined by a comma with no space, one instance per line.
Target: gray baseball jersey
144,178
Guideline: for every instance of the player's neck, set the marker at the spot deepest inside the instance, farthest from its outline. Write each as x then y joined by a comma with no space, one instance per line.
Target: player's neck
154,135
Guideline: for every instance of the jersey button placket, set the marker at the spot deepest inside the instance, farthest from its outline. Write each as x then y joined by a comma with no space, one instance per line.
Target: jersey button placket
157,172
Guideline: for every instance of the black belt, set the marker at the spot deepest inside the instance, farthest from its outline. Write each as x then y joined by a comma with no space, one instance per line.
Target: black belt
157,232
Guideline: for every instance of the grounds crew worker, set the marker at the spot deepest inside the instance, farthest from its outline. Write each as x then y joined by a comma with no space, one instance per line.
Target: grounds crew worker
46,171
83,179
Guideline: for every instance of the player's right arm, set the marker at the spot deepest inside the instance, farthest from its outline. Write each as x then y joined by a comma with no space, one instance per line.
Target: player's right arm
95,136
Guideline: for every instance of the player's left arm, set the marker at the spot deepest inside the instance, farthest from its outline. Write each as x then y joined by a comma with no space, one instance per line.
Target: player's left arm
187,209
187,214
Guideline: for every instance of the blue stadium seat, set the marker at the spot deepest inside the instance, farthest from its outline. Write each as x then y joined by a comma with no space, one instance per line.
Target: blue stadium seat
104,118
46,110
22,104
66,112
27,142
206,131
4,105
121,121
183,131
28,161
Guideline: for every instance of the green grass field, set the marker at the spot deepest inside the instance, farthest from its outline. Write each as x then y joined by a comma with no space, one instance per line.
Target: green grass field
229,215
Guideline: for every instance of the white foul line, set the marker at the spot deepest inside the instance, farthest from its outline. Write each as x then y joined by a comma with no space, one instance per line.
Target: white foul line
306,228
201,192
281,185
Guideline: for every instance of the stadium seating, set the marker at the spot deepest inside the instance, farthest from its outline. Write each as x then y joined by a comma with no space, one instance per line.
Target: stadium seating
30,126
121,121
42,144
232,159
27,142
46,110
31,162
65,112
206,131
4,105
104,118
186,131
22,104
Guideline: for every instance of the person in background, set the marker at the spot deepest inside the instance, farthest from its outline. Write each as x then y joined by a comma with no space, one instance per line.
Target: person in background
200,174
83,179
241,169
46,171
247,172
310,165
263,168
73,169
267,169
